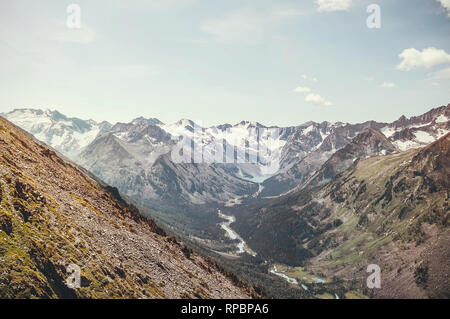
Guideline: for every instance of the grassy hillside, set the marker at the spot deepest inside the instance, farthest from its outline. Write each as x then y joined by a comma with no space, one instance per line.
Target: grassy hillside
53,215
389,210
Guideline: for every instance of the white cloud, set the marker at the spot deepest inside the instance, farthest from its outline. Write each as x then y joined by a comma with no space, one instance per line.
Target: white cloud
333,5
443,74
388,85
427,58
301,89
316,99
313,79
241,28
247,26
446,5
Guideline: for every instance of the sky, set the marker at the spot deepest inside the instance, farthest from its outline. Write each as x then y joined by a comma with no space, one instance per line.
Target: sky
277,62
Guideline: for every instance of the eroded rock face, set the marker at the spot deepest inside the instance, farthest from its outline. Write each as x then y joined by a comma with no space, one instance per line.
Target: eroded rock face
53,215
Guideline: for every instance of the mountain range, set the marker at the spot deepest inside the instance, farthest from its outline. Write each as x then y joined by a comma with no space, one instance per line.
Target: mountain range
342,196
54,216
135,157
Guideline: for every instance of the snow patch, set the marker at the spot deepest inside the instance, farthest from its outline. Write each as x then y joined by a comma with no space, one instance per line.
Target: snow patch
388,131
424,137
442,119
308,129
406,145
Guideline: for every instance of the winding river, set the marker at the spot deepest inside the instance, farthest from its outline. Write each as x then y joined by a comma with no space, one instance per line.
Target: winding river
294,281
289,279
230,233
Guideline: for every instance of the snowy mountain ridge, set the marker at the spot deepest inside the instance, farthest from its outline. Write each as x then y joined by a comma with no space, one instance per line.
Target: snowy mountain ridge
67,135
137,157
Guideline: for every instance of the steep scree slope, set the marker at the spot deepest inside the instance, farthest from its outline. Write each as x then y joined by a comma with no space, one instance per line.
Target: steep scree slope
52,215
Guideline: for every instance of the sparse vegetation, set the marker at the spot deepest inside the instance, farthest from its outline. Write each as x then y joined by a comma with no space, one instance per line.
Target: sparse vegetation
53,215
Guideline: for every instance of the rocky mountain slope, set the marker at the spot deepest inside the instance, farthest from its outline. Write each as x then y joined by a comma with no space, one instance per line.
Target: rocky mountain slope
53,215
390,210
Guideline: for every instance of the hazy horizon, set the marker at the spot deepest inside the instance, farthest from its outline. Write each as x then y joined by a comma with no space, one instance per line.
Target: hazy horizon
200,122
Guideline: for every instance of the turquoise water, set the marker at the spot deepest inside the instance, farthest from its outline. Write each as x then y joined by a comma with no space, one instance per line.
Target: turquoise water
259,179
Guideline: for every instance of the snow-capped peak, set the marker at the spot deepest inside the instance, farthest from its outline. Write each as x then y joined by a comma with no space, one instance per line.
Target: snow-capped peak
67,135
143,121
418,131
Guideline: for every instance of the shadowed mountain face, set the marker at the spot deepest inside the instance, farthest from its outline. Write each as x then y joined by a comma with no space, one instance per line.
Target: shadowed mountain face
390,210
145,172
136,157
53,215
